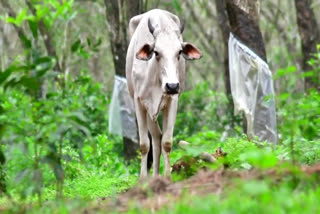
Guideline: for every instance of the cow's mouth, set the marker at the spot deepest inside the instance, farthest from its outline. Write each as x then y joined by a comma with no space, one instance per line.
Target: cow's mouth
172,92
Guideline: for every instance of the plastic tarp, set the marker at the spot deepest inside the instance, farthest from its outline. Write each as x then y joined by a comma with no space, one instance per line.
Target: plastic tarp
252,91
122,118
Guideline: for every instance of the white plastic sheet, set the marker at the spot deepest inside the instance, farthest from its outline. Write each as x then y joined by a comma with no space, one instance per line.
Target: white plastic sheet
252,91
122,119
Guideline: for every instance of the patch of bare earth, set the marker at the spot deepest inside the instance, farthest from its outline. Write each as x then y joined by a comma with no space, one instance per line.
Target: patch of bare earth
159,191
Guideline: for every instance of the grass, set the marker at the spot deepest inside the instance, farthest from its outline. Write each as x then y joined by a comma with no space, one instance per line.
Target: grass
89,185
243,196
95,185
251,197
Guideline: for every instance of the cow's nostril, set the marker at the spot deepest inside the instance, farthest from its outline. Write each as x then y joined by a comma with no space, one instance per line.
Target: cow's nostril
172,88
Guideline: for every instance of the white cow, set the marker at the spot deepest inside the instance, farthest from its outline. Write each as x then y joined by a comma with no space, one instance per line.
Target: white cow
155,69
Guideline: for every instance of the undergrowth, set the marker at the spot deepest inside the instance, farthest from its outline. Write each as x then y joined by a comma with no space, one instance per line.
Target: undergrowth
251,197
91,160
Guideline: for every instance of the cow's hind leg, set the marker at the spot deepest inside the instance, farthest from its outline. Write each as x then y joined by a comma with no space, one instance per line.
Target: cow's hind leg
150,156
169,119
141,115
156,147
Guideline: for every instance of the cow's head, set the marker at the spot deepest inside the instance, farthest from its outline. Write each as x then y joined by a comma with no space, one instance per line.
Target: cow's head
168,49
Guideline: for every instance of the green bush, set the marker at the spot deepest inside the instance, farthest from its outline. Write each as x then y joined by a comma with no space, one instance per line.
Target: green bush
41,133
198,108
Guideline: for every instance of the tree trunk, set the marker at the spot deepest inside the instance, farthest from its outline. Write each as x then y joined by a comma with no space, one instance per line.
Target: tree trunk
310,36
225,31
118,13
244,22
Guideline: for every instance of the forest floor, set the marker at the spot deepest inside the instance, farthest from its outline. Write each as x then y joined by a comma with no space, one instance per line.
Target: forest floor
243,178
159,192
288,187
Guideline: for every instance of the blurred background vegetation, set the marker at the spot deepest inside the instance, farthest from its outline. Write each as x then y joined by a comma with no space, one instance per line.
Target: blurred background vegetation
58,59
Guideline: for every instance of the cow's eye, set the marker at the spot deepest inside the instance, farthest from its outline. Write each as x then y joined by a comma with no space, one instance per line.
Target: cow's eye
156,53
180,52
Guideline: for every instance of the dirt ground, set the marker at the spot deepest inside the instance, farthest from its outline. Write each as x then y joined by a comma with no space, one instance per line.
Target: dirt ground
159,191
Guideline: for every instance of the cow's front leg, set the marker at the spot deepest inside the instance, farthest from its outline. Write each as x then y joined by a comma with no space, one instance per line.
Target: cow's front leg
141,115
169,119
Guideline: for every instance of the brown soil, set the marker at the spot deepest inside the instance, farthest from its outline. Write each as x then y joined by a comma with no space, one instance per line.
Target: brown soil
159,191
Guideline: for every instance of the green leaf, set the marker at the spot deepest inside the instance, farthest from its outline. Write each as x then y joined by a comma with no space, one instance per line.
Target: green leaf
4,75
43,64
30,83
27,43
10,20
283,96
284,72
89,41
75,46
34,28
308,74
22,16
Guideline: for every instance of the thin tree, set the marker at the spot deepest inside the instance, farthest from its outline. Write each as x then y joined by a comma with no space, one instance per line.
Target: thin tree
118,13
225,31
310,37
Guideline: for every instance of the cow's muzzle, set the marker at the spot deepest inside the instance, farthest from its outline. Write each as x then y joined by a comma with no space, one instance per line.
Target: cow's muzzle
172,88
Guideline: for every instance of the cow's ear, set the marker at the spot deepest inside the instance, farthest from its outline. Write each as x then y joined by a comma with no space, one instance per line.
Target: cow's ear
145,53
190,51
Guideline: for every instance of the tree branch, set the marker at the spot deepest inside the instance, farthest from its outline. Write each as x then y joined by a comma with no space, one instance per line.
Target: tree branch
46,37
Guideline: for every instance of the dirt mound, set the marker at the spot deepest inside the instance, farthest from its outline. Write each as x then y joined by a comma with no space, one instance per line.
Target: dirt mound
159,191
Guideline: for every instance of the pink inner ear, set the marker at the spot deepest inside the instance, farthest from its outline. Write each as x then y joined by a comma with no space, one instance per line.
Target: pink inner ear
144,52
192,52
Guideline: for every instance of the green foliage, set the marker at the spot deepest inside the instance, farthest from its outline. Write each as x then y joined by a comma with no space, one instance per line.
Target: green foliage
27,75
254,197
49,130
242,154
46,118
48,11
201,142
201,108
53,129
314,62
21,17
298,114
97,183
85,49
